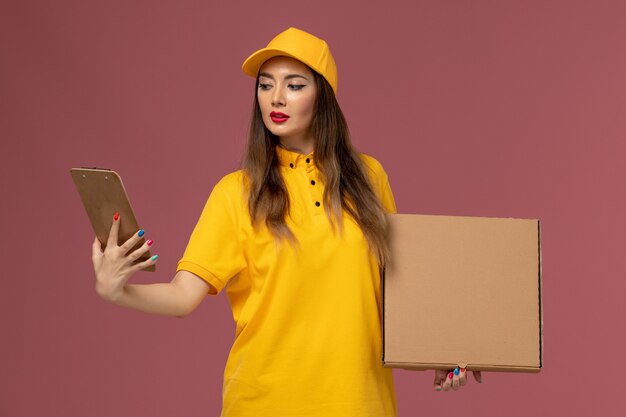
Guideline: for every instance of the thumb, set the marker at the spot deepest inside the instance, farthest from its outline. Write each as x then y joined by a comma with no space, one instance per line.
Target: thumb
478,376
96,247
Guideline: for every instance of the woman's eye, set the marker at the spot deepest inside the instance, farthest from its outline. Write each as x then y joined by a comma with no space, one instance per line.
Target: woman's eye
294,87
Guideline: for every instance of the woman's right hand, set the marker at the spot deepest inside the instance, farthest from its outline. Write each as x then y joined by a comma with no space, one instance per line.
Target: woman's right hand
114,266
454,378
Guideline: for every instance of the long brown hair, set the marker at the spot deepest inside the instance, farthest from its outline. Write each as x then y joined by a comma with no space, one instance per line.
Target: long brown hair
347,186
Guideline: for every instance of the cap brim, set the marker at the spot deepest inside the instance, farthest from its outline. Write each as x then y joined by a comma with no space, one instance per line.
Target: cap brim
253,63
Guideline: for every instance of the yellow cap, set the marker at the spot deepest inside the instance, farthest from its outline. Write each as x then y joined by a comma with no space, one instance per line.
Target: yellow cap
300,45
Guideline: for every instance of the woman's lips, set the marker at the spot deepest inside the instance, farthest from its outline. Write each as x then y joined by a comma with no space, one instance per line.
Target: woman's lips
278,117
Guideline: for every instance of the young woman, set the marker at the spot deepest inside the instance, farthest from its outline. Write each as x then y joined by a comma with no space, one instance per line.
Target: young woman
297,239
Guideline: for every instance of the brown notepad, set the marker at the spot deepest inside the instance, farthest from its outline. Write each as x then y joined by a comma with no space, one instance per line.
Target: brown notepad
102,193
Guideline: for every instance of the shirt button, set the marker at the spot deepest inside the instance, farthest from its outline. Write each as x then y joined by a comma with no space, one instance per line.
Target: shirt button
308,160
317,203
291,165
312,182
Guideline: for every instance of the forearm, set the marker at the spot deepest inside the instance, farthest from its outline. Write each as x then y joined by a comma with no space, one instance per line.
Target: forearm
164,299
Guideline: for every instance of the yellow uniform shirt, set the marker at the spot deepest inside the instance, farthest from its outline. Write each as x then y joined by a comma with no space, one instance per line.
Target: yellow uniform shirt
308,320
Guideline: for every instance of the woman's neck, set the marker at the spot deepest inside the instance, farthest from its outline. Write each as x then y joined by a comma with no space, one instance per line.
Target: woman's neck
301,146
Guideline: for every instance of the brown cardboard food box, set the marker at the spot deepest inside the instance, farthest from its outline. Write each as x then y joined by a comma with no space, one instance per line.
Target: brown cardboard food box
463,291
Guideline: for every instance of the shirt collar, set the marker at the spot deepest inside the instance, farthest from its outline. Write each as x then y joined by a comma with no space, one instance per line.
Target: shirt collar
293,159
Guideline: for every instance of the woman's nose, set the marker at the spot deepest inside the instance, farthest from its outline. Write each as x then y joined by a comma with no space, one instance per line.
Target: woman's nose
278,98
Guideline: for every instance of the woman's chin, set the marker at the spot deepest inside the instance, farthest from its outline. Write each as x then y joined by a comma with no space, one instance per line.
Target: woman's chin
280,131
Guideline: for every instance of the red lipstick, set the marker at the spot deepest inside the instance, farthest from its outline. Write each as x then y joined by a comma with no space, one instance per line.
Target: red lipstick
278,117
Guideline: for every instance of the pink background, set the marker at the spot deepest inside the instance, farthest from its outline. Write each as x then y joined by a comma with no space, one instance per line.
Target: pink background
479,108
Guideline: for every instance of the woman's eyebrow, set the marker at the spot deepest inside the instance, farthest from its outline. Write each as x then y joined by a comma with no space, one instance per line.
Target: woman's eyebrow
287,77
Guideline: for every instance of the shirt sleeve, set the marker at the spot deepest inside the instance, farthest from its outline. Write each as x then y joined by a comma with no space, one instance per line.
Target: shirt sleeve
389,203
214,252
380,182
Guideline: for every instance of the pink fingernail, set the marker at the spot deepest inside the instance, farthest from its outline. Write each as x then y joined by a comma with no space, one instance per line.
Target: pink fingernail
450,375
149,243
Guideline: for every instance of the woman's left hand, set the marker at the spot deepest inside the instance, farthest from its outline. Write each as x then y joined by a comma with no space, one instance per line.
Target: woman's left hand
454,379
